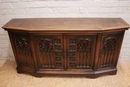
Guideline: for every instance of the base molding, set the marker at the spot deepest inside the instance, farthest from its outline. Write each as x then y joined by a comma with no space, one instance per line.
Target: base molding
69,73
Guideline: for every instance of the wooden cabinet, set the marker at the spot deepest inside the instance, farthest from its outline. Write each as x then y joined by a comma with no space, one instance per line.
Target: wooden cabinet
66,46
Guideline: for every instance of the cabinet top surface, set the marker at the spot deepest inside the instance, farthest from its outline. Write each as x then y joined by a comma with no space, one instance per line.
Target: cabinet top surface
63,24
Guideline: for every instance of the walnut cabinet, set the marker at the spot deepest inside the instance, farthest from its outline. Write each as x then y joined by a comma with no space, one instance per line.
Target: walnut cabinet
66,46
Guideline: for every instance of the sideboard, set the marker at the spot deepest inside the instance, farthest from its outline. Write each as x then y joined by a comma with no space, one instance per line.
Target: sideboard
66,46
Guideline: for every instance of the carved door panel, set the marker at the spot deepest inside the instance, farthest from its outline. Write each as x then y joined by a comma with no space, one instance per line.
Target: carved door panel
110,49
80,51
22,50
49,50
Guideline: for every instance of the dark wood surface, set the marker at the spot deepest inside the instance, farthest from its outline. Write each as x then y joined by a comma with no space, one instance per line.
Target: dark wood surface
47,46
62,24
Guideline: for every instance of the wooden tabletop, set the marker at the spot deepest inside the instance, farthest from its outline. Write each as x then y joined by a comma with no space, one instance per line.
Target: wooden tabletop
68,24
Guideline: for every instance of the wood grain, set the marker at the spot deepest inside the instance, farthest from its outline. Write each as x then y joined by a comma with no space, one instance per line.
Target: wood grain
63,24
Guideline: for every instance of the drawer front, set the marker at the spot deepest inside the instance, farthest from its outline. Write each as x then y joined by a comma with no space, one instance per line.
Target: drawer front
49,51
80,51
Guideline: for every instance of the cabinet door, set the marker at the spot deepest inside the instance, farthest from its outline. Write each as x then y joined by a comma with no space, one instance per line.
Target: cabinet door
110,49
80,51
22,50
49,51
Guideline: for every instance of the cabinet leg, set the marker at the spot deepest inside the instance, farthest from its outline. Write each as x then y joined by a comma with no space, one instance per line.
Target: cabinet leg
18,70
113,73
93,76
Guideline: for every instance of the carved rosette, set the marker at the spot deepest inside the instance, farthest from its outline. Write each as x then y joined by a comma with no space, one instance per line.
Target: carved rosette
58,52
72,52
